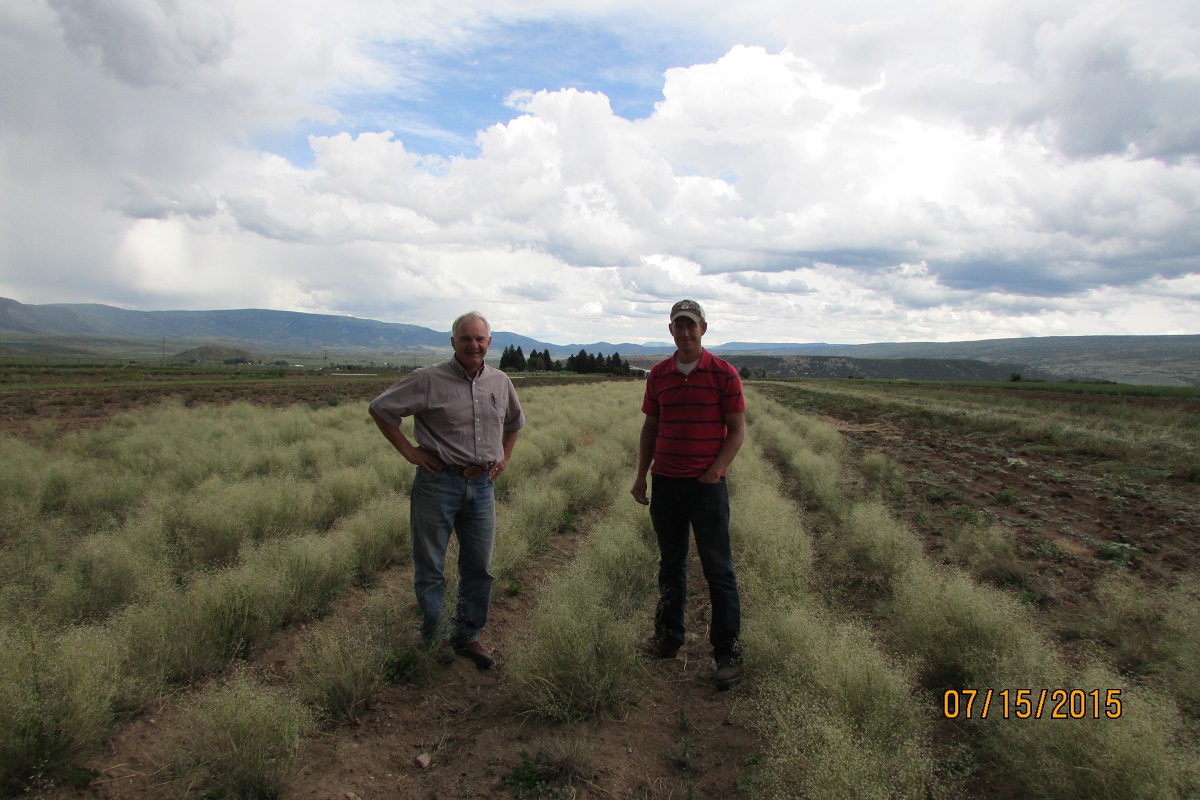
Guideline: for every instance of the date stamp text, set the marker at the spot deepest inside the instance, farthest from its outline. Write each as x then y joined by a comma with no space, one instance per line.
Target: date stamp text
1031,703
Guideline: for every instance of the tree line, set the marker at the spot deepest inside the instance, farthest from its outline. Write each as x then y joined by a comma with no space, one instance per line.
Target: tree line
514,360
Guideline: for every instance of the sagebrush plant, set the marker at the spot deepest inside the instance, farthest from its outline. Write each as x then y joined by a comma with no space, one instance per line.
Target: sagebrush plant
1181,632
841,719
883,476
378,535
244,738
1129,618
810,452
341,668
772,544
877,546
988,552
57,693
967,634
576,659
1083,757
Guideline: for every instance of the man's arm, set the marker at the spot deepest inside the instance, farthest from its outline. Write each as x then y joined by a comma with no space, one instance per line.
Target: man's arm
507,441
645,456
735,434
413,454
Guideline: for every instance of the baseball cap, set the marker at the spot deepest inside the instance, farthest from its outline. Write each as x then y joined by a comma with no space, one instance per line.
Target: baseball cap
688,308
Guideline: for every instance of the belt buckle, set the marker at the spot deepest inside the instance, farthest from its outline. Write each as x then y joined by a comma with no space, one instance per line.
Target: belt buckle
472,471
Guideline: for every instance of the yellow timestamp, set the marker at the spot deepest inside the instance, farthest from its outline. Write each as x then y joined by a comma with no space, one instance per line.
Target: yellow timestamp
1031,703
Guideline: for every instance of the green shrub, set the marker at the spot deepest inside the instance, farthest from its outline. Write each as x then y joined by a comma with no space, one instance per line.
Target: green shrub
340,492
884,476
532,514
378,534
966,634
575,660
877,546
621,561
770,542
840,719
244,738
1181,636
1133,756
57,696
311,572
103,574
183,635
988,552
1129,618
341,669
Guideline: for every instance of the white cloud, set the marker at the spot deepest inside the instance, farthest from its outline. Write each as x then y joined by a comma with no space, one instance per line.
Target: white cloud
860,173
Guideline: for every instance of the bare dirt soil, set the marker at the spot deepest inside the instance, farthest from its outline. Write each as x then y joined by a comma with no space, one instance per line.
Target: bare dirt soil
678,736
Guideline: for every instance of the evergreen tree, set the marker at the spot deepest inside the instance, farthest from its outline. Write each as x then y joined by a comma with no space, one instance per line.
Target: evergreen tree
519,360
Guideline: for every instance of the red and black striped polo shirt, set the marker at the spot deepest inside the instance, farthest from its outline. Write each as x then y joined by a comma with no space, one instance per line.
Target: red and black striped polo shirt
691,413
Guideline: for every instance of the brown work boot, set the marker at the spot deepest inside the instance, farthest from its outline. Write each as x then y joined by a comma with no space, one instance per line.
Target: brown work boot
729,672
474,652
656,647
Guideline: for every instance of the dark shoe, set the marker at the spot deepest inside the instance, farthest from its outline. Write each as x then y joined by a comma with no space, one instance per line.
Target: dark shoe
655,647
474,652
729,673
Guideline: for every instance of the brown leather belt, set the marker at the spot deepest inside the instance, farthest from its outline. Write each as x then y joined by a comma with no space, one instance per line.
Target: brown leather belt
470,471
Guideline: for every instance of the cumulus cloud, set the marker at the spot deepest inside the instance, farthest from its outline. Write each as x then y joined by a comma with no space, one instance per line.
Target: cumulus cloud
943,173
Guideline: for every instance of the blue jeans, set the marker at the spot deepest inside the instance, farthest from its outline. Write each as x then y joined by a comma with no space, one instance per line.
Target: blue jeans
677,504
441,503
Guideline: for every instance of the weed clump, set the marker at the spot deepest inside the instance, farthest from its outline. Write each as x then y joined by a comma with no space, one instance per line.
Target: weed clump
340,670
243,738
57,694
988,553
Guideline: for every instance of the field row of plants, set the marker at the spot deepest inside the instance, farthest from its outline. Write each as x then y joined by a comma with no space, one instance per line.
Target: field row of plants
173,545
887,632
1156,428
159,555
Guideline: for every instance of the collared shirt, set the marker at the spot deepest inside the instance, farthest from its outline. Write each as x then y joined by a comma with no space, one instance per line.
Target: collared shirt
691,413
461,420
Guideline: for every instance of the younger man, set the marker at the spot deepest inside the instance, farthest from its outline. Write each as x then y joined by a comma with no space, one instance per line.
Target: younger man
694,426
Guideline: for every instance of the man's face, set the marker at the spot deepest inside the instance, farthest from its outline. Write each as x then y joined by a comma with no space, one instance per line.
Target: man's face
471,344
687,334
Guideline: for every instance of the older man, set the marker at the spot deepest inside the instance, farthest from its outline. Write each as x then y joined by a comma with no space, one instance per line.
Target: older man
466,420
694,426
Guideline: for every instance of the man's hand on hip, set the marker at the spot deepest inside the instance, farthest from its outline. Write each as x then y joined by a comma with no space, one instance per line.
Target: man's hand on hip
425,459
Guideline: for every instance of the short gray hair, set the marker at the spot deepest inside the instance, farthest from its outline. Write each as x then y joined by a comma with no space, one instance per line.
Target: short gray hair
469,316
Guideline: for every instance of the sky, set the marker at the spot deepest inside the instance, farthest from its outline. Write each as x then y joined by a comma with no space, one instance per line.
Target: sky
844,171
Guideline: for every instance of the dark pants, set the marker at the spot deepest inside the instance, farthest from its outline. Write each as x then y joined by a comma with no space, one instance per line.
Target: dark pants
677,504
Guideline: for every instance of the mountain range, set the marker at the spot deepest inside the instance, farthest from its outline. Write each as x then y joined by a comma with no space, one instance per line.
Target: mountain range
75,330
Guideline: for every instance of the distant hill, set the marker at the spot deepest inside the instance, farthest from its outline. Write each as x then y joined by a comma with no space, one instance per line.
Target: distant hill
1153,360
99,331
914,369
